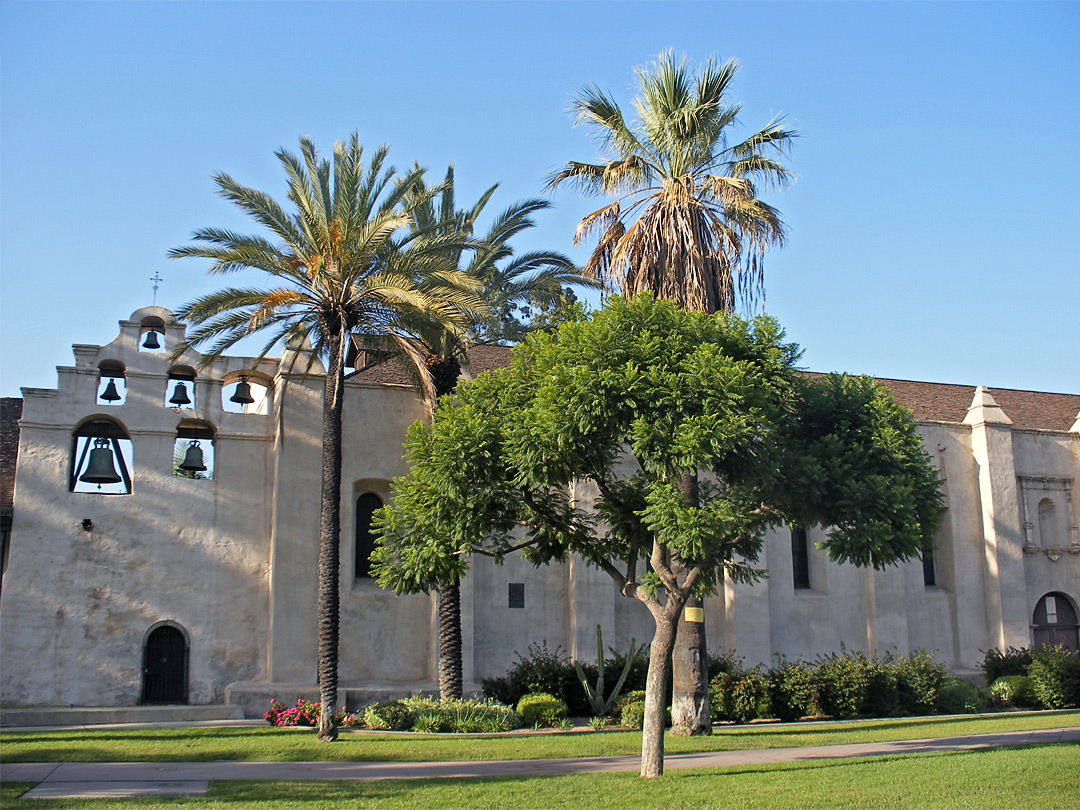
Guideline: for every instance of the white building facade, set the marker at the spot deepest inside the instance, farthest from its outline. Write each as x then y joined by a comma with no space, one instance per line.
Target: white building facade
155,581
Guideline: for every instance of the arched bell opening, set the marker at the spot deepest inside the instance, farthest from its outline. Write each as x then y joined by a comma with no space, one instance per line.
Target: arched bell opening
246,392
152,334
112,383
101,458
193,450
165,655
180,391
1055,622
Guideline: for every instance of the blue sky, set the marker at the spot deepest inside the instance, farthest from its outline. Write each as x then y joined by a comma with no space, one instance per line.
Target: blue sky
932,227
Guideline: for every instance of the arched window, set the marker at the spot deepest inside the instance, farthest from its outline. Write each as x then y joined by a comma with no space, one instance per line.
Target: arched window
180,392
112,384
193,450
101,454
245,393
1055,622
1049,536
165,665
152,335
366,505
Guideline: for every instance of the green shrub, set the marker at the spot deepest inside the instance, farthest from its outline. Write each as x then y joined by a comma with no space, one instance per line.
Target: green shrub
918,679
882,698
541,708
1055,677
1013,690
724,662
391,716
750,698
997,664
793,690
957,696
842,681
721,705
501,689
630,709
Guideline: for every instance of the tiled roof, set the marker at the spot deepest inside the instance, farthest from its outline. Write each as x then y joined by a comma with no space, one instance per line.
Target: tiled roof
481,358
931,402
943,402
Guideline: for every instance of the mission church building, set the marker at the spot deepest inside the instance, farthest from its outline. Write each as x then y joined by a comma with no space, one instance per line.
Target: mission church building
161,540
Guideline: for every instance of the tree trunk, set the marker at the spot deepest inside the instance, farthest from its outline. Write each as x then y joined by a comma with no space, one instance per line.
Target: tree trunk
652,738
329,614
450,669
690,673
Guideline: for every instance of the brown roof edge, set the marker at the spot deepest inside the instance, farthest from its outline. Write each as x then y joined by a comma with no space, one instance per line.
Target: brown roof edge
10,414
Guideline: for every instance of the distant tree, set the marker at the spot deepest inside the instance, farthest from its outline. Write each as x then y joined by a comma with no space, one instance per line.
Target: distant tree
334,269
508,285
687,224
624,405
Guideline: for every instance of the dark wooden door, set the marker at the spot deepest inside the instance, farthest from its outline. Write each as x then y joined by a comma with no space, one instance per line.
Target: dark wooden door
165,664
1055,623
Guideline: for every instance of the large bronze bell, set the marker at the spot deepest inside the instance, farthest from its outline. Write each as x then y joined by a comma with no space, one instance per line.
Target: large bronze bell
242,395
193,458
110,394
180,395
100,469
151,341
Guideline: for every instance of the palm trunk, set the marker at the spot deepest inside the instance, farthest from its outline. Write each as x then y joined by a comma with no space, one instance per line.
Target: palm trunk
329,614
444,376
690,674
690,671
652,738
450,669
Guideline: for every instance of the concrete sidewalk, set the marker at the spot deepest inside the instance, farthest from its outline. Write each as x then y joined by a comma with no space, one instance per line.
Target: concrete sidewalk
111,779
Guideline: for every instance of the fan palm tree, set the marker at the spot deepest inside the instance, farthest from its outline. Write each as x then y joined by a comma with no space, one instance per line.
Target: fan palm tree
508,284
686,223
333,268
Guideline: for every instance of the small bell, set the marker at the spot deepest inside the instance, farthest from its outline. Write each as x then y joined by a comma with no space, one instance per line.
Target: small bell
193,458
151,341
242,395
110,394
100,469
180,395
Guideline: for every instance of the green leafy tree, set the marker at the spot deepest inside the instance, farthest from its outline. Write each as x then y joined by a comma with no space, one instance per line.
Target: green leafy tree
687,224
508,285
624,405
333,269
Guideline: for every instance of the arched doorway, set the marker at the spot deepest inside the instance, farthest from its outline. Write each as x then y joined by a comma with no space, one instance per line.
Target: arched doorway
165,666
1055,622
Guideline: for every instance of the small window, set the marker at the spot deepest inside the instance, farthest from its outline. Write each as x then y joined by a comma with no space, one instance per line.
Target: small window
152,335
366,505
101,459
112,384
800,558
515,593
193,451
180,392
929,573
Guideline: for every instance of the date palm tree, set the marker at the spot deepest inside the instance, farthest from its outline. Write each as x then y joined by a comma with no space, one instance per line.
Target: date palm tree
333,268
686,224
507,285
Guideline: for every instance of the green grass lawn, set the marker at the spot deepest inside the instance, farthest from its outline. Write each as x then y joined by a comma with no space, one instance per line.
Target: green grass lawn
299,745
1039,778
